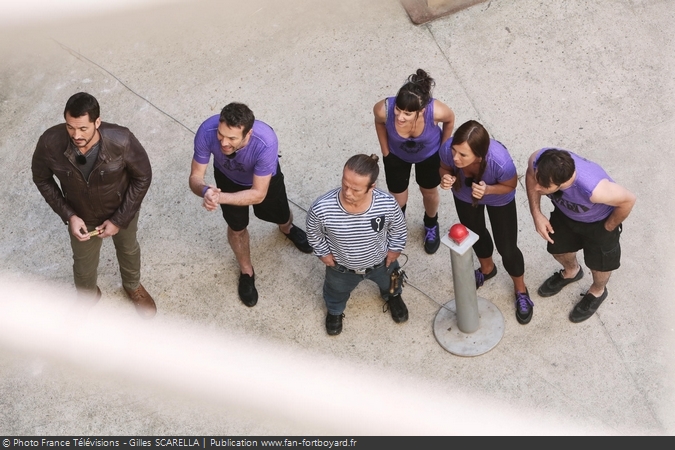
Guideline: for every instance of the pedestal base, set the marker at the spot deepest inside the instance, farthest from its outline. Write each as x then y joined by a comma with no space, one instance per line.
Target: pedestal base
484,339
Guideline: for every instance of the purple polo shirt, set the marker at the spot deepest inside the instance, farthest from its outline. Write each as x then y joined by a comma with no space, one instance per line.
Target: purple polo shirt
575,201
499,168
259,157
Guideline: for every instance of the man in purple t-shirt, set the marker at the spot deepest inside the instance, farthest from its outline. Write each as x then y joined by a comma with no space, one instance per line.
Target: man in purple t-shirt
589,208
247,172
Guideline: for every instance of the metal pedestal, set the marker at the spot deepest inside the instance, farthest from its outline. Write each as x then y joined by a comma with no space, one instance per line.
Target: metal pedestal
467,325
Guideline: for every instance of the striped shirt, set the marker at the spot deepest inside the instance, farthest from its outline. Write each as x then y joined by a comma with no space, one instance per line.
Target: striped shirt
357,241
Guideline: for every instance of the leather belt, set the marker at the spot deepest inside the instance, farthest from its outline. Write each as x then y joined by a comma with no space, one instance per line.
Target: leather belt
364,271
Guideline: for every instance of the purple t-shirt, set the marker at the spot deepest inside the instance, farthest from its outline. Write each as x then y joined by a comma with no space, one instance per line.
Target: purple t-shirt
499,168
414,149
575,201
259,157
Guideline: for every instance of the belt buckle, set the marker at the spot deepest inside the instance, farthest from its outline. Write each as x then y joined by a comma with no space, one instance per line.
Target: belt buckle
361,272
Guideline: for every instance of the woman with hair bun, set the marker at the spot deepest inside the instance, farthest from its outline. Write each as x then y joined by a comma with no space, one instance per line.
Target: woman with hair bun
408,129
481,173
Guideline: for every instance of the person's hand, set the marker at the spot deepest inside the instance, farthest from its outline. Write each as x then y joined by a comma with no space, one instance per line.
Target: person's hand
107,229
391,257
609,227
211,198
447,181
78,228
543,227
328,260
478,189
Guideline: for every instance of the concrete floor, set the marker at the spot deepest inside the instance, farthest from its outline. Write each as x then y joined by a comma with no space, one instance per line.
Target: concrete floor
595,78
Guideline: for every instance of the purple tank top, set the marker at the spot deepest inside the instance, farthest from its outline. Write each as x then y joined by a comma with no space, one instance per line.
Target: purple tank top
499,167
575,201
413,150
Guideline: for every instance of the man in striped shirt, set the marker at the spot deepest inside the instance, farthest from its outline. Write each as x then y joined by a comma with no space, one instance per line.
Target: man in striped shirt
358,232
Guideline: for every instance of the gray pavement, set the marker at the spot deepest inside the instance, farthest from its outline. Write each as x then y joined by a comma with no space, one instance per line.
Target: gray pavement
597,79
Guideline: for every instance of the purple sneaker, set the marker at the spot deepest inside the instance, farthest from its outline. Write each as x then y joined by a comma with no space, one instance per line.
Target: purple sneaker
482,278
524,307
432,239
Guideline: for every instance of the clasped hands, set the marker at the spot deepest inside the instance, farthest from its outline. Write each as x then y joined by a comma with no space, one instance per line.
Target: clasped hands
211,196
478,190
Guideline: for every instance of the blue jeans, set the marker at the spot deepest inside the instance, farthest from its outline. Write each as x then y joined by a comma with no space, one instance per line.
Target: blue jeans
340,283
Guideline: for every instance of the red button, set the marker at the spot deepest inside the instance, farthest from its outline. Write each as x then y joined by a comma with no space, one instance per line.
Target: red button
458,233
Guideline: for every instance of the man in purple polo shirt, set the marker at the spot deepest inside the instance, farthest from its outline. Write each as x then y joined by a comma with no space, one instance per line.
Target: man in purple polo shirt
589,208
247,172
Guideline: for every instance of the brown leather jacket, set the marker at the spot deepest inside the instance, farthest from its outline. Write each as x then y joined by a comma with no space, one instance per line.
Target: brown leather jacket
116,186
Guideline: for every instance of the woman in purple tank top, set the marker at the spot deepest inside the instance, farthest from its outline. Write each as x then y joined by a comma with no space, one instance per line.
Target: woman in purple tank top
408,129
482,176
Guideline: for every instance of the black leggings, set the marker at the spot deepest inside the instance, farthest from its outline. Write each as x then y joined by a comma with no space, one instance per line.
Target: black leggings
504,221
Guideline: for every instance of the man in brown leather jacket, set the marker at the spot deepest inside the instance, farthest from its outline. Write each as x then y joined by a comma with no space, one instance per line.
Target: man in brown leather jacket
103,174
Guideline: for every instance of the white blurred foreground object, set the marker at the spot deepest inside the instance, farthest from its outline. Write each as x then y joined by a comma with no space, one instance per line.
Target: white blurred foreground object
318,392
28,12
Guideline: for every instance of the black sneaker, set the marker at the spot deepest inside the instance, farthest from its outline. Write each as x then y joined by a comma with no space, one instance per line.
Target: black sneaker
334,324
432,239
299,238
524,307
587,307
247,291
399,312
556,282
481,278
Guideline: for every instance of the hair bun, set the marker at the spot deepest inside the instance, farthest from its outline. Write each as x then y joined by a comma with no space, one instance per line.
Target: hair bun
415,94
418,76
421,84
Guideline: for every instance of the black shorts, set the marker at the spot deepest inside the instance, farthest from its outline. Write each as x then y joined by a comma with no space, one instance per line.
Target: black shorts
397,172
274,208
602,250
